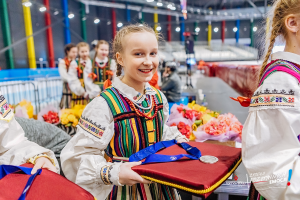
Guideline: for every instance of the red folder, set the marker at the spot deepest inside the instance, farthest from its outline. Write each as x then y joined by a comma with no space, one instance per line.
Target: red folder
193,176
46,186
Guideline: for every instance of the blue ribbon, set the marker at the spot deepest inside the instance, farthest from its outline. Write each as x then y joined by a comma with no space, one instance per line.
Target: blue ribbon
9,169
151,157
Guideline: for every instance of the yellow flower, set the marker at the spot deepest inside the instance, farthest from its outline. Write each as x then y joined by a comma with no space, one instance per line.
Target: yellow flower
64,121
194,127
206,118
75,123
192,137
71,118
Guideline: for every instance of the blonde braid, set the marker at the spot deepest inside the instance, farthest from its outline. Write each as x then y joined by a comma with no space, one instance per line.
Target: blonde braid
280,10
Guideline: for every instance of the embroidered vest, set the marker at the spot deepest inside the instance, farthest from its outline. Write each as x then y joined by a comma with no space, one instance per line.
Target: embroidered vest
132,132
101,71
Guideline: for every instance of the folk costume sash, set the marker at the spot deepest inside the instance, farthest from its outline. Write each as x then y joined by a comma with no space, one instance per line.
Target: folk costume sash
132,132
100,72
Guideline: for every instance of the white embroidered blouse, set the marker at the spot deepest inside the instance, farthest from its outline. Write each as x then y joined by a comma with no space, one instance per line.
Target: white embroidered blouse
89,88
82,158
270,147
15,149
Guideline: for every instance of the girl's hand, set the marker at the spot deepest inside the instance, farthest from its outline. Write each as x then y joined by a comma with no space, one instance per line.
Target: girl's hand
181,140
129,177
43,162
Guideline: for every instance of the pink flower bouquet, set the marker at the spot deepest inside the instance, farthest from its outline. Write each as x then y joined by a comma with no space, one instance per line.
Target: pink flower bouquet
224,128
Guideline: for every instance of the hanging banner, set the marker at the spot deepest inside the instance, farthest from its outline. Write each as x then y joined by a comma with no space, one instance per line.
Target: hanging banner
183,8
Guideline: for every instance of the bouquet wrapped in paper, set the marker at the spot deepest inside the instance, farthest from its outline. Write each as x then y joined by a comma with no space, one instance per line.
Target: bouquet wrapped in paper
49,114
200,124
70,117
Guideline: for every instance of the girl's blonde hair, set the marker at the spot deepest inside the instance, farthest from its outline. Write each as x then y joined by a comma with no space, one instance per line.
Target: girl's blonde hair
117,43
82,44
280,10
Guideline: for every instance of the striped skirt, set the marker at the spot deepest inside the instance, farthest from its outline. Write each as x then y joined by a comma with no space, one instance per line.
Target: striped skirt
153,191
66,98
254,194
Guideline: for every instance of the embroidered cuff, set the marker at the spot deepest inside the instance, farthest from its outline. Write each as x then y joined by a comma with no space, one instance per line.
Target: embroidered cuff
105,174
32,160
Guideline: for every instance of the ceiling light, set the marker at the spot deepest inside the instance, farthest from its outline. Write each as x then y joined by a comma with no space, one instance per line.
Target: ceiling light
254,28
235,29
150,0
108,22
197,29
170,6
177,29
159,4
158,28
71,15
141,25
120,24
216,29
42,9
96,21
56,12
173,8
27,4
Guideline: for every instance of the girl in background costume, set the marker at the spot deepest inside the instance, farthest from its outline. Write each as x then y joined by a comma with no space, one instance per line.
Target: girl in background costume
15,149
104,68
127,117
80,84
63,68
271,146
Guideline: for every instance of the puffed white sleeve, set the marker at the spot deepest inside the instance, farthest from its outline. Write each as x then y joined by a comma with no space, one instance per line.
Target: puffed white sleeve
73,81
62,69
270,147
83,159
170,132
92,89
15,149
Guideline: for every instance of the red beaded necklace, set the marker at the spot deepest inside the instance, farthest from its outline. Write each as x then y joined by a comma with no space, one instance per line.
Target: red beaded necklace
141,114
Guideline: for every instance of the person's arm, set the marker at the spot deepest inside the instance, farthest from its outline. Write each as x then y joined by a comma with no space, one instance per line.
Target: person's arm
270,147
170,132
83,159
167,85
92,89
74,83
62,69
15,149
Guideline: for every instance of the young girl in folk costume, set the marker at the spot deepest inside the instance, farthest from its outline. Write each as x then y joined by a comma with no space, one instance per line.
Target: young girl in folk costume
15,149
81,85
127,117
104,68
63,68
270,146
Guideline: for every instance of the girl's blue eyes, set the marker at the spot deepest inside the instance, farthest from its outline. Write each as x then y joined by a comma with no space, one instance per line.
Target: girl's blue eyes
139,54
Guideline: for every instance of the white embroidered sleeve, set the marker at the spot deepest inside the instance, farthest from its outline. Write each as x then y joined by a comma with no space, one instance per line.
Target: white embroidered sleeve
74,83
83,159
270,147
15,149
169,133
62,69
92,89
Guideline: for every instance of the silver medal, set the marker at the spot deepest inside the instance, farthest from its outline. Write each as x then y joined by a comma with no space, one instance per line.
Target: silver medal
209,159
